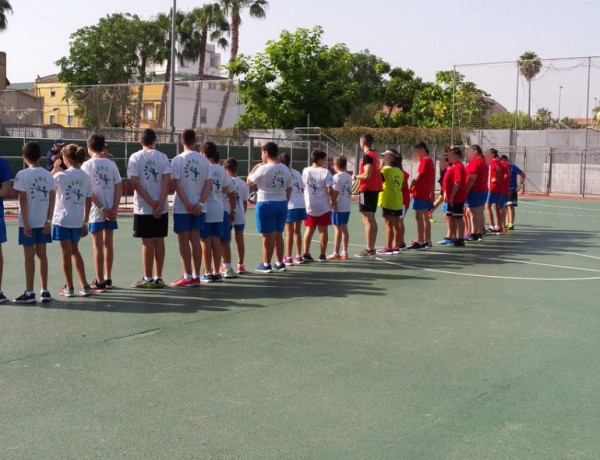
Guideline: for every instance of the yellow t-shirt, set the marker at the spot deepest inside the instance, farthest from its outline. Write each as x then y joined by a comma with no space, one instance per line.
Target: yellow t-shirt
391,197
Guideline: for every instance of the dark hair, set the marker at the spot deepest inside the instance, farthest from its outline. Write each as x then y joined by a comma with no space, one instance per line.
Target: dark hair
285,158
209,149
367,139
231,164
75,153
317,155
494,152
188,137
504,158
341,162
32,151
397,162
148,137
457,151
96,143
477,149
271,149
421,146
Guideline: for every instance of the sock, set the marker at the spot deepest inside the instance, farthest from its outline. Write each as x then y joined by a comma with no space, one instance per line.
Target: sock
29,292
267,263
241,262
188,277
100,281
148,279
227,266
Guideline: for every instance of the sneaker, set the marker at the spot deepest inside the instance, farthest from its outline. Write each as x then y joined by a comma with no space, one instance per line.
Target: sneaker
228,273
262,268
97,286
143,284
428,245
510,227
385,252
503,230
67,292
288,261
431,218
334,256
195,282
3,298
446,241
403,247
217,278
417,246
298,260
396,250
183,282
241,269
85,291
25,298
46,297
459,243
322,258
365,254
206,279
343,256
492,231
307,258
279,267
108,283
159,283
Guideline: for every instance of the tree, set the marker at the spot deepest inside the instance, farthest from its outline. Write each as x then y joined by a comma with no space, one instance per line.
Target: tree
103,54
207,22
294,77
233,8
530,66
569,123
5,8
544,117
399,94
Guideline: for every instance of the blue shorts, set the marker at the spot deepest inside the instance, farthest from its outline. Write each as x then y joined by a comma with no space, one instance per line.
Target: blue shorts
66,234
37,237
340,218
445,208
225,235
271,216
296,215
186,222
239,228
212,230
496,198
419,204
476,199
96,227
3,238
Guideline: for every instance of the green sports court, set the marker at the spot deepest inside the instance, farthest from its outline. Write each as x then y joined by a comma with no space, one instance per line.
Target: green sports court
487,352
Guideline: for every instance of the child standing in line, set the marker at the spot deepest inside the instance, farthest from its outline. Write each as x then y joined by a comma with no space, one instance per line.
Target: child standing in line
296,214
5,191
495,198
193,184
342,194
36,206
391,201
516,175
71,214
107,190
242,192
319,198
229,216
455,194
423,191
150,174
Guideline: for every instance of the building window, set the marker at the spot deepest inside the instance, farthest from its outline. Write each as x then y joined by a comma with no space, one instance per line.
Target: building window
203,115
52,93
70,119
52,118
212,86
148,113
214,61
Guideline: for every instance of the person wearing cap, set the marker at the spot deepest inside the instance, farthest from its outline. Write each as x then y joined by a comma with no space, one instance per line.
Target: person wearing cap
55,154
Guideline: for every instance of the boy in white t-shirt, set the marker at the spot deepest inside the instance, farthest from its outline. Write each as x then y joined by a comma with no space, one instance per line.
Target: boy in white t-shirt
150,174
193,183
215,226
240,188
342,191
71,214
318,195
296,215
107,190
36,206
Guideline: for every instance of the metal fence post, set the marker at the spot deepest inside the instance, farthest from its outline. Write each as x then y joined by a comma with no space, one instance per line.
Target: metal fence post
250,143
549,178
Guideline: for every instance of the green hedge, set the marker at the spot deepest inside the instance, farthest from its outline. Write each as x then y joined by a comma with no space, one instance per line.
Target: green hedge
393,136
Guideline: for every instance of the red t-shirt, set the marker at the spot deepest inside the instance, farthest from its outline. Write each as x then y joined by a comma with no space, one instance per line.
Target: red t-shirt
375,183
457,174
496,177
423,189
477,166
406,190
507,173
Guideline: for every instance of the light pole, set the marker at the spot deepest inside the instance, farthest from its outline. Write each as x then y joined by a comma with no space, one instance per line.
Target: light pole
173,58
559,103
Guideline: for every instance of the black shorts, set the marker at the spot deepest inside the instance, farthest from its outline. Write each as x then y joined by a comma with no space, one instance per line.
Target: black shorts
146,226
393,212
368,201
513,199
457,210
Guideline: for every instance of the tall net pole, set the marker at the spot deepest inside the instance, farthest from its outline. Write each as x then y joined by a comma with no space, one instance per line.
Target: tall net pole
173,69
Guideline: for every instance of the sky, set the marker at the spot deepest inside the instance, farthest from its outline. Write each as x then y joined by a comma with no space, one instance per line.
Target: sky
424,35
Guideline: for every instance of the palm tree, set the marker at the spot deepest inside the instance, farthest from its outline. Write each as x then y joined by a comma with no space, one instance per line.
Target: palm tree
544,117
233,8
207,22
530,65
4,9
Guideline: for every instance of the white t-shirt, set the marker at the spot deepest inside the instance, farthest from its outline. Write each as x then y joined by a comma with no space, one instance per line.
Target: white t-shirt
192,170
241,196
342,183
316,193
72,187
297,196
105,176
37,183
214,204
149,166
272,180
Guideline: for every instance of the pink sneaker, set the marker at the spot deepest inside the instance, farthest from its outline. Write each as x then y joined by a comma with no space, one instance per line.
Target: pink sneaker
288,261
298,260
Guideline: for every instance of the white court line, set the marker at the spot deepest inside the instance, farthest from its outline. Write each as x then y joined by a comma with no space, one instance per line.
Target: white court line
524,201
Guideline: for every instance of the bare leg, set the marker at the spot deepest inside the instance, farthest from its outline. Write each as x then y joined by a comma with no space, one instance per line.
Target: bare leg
226,252
371,229
389,231
196,252
308,234
109,252
323,238
345,237
298,237
29,266
278,237
148,256
289,238
98,247
66,252
159,256
268,247
185,253
40,250
240,245
337,239
460,228
420,226
207,255
216,254
79,266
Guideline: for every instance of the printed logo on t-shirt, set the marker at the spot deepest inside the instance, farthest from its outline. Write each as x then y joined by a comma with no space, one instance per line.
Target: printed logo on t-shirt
39,188
296,185
347,190
278,180
192,169
73,191
150,171
216,181
397,182
312,185
101,177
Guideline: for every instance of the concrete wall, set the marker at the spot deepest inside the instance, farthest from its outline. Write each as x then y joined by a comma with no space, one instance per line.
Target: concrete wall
20,108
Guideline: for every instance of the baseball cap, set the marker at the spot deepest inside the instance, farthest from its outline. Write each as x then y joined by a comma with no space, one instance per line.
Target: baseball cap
59,142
